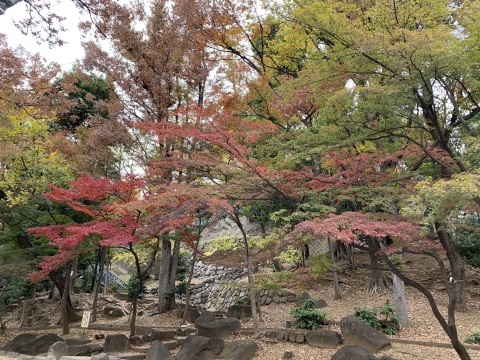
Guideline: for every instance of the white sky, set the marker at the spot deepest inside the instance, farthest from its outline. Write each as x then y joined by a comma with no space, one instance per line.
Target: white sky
65,55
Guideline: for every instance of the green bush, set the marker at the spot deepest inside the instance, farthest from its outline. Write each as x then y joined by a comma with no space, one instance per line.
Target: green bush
306,317
132,286
16,290
383,318
244,300
474,338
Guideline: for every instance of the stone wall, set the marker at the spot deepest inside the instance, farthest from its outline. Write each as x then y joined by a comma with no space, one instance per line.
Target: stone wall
217,288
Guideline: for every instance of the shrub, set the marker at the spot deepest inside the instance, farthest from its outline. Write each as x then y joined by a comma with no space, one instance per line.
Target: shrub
383,319
244,300
306,317
474,338
132,286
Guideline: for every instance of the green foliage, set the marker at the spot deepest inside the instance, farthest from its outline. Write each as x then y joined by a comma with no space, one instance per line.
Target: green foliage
319,265
276,280
307,317
380,318
474,338
309,304
15,290
244,300
132,286
467,239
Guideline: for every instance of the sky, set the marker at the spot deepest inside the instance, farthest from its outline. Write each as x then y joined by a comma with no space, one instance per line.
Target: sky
65,55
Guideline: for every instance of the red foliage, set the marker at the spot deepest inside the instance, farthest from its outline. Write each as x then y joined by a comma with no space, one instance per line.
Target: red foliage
350,227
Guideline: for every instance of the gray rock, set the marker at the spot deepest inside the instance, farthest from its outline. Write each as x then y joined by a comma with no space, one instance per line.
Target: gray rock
113,311
101,356
356,332
200,348
287,355
323,338
136,341
57,350
220,328
353,352
192,314
162,335
116,343
39,345
205,318
77,341
18,341
158,351
239,350
85,349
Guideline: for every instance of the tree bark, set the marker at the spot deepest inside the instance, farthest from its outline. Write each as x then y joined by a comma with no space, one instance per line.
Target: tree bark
457,268
168,271
74,276
378,280
450,326
189,281
336,287
59,282
64,315
251,287
102,251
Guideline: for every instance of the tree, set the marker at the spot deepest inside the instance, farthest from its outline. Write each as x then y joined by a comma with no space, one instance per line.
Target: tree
390,232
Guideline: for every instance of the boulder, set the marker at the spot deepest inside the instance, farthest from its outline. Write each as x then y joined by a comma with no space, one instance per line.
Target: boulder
356,332
353,352
200,348
323,338
77,341
136,341
192,315
101,356
85,349
239,350
239,311
57,350
18,341
162,335
205,318
220,328
39,345
115,343
113,311
158,351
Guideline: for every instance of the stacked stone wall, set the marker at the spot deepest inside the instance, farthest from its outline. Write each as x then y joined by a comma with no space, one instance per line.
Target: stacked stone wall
218,287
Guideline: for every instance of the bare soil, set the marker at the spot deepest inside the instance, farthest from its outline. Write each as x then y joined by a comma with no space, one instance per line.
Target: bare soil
423,327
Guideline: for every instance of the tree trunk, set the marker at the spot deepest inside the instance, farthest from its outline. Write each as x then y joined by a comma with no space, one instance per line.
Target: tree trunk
168,270
338,295
399,300
59,282
74,276
457,268
107,270
189,281
378,278
251,287
450,326
65,299
102,251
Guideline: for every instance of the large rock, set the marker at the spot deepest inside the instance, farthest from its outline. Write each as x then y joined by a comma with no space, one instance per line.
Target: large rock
240,311
323,338
239,350
220,328
356,332
39,345
18,341
192,314
57,350
113,311
205,318
208,326
158,351
84,350
116,343
200,348
162,335
353,352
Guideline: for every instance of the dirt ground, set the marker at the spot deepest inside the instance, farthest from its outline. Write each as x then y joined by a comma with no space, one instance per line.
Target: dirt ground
422,324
